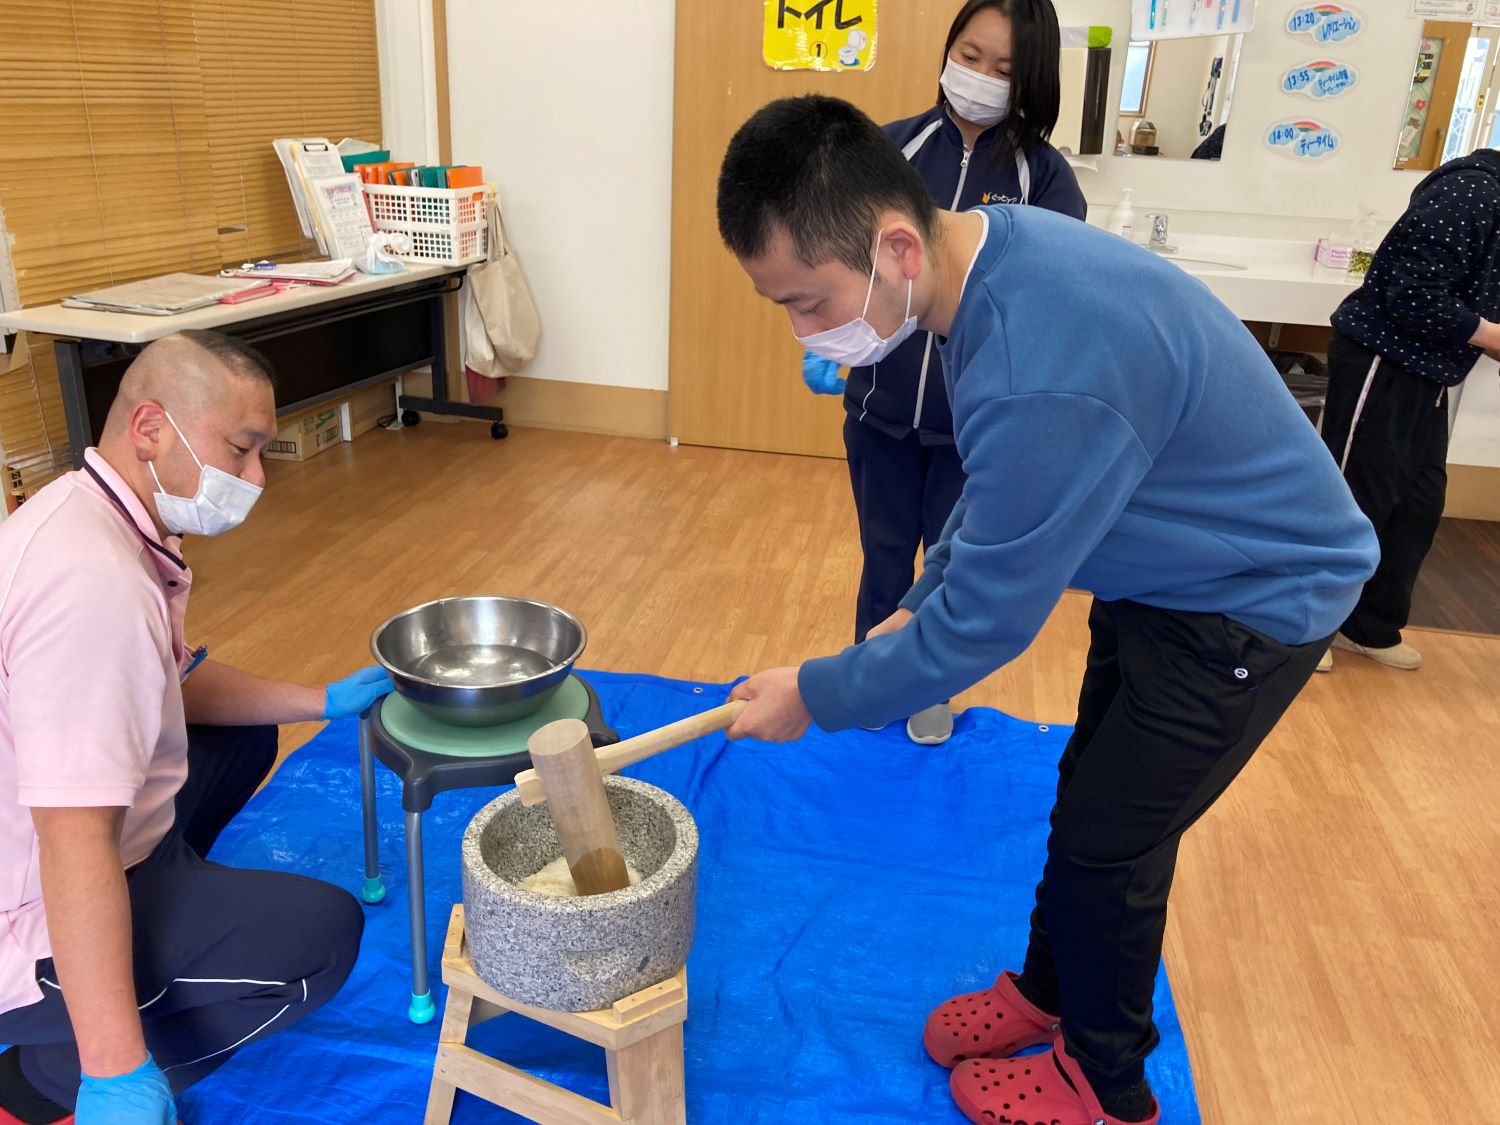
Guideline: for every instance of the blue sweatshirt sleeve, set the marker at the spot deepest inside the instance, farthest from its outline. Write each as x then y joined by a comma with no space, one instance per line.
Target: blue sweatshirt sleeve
1049,475
1437,251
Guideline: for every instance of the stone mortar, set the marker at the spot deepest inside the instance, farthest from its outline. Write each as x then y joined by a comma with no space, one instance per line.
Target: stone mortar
580,954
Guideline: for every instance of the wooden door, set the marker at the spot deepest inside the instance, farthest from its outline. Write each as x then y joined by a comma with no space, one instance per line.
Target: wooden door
1454,38
735,369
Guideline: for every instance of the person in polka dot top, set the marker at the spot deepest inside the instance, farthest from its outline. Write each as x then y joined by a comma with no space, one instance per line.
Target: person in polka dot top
1424,315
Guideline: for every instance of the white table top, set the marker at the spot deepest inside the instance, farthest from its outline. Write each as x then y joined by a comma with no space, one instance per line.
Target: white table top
132,328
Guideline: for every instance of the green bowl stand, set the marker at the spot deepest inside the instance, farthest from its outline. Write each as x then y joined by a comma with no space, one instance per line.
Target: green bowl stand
431,758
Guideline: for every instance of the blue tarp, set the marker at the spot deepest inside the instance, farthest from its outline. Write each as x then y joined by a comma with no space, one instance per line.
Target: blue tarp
847,884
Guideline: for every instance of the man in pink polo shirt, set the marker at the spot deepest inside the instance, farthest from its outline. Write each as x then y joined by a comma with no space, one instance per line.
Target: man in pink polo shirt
129,966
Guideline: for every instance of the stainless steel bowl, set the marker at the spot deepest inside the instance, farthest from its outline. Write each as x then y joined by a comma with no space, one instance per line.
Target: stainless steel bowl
477,662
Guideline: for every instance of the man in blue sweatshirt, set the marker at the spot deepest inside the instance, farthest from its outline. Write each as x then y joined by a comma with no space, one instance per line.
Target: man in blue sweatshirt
1121,432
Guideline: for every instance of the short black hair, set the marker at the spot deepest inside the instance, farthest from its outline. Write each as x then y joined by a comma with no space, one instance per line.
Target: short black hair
821,170
1035,84
233,353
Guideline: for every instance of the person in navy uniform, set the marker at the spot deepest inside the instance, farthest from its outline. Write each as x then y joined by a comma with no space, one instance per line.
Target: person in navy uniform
983,142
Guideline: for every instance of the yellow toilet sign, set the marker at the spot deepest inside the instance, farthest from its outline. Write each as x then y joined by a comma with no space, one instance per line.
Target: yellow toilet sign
820,34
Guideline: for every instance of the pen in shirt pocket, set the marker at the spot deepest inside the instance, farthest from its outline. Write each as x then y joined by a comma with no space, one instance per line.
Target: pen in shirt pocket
200,654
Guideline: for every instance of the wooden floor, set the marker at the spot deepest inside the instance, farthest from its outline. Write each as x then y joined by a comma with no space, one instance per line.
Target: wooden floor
1333,941
1459,587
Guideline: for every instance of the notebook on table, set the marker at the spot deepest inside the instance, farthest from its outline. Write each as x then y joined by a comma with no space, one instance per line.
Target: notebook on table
161,296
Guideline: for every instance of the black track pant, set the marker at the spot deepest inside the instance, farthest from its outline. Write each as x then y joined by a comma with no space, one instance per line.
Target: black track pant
1397,468
1173,705
223,957
904,492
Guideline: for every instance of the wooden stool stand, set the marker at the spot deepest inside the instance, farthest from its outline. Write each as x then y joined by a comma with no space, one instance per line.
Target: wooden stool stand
641,1036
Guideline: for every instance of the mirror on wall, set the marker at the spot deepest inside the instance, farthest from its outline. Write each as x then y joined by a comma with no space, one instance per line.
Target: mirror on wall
1175,97
1083,79
1451,96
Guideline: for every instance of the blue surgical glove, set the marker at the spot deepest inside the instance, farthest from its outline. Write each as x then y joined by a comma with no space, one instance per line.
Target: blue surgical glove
350,697
141,1097
821,375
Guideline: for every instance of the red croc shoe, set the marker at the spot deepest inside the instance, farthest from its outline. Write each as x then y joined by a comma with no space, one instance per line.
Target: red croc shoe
991,1024
1030,1091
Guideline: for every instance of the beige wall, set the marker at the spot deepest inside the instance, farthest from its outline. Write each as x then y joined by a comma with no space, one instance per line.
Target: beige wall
1175,101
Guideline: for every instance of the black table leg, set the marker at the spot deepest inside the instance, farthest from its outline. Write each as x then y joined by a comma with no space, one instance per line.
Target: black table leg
75,406
440,403
437,326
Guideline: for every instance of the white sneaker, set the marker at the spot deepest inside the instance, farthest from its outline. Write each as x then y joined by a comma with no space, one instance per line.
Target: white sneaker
1325,663
1400,655
932,726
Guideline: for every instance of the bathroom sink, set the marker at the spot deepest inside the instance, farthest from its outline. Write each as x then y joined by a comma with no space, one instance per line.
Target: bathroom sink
1199,265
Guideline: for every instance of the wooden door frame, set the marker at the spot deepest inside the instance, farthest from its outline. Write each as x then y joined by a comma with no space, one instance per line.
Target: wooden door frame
1444,93
716,324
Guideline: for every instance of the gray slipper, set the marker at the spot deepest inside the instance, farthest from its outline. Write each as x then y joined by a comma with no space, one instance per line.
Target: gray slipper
932,726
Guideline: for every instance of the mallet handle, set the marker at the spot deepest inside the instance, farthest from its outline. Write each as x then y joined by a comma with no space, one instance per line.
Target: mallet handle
535,788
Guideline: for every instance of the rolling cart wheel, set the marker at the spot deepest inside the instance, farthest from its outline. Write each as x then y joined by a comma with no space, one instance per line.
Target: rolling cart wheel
499,431
410,417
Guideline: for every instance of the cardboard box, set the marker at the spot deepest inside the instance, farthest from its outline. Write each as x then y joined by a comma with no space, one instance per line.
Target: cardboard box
367,407
306,436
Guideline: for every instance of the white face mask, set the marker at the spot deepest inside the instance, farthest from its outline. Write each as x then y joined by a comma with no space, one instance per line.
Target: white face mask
857,344
221,503
975,97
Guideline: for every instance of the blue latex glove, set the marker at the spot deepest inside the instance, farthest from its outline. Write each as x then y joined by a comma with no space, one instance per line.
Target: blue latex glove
141,1097
821,375
348,698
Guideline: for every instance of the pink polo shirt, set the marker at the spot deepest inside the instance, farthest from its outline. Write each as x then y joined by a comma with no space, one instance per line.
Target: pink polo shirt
91,665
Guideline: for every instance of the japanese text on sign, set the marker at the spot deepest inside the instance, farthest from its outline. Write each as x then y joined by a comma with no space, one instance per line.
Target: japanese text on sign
1326,23
1321,79
1446,9
820,34
1302,140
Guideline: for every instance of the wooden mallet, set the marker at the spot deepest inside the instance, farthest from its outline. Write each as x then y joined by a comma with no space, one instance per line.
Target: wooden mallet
568,773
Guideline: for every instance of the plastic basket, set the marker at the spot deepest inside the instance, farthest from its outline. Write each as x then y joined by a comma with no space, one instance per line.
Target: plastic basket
446,225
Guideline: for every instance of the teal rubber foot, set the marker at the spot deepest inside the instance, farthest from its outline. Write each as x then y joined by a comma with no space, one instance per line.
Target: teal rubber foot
373,890
422,1009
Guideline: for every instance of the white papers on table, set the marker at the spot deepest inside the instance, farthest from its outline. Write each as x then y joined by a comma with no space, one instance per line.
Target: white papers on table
317,273
343,219
161,296
305,159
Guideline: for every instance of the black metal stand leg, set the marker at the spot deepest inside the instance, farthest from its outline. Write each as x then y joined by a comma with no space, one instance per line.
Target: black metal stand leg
440,403
75,404
374,886
437,325
422,1009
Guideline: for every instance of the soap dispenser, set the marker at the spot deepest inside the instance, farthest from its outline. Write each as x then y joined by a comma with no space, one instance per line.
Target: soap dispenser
1122,221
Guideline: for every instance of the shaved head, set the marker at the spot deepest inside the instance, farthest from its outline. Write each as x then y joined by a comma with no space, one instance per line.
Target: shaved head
190,373
190,400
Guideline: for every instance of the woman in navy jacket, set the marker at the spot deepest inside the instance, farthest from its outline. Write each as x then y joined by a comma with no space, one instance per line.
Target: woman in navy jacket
984,142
